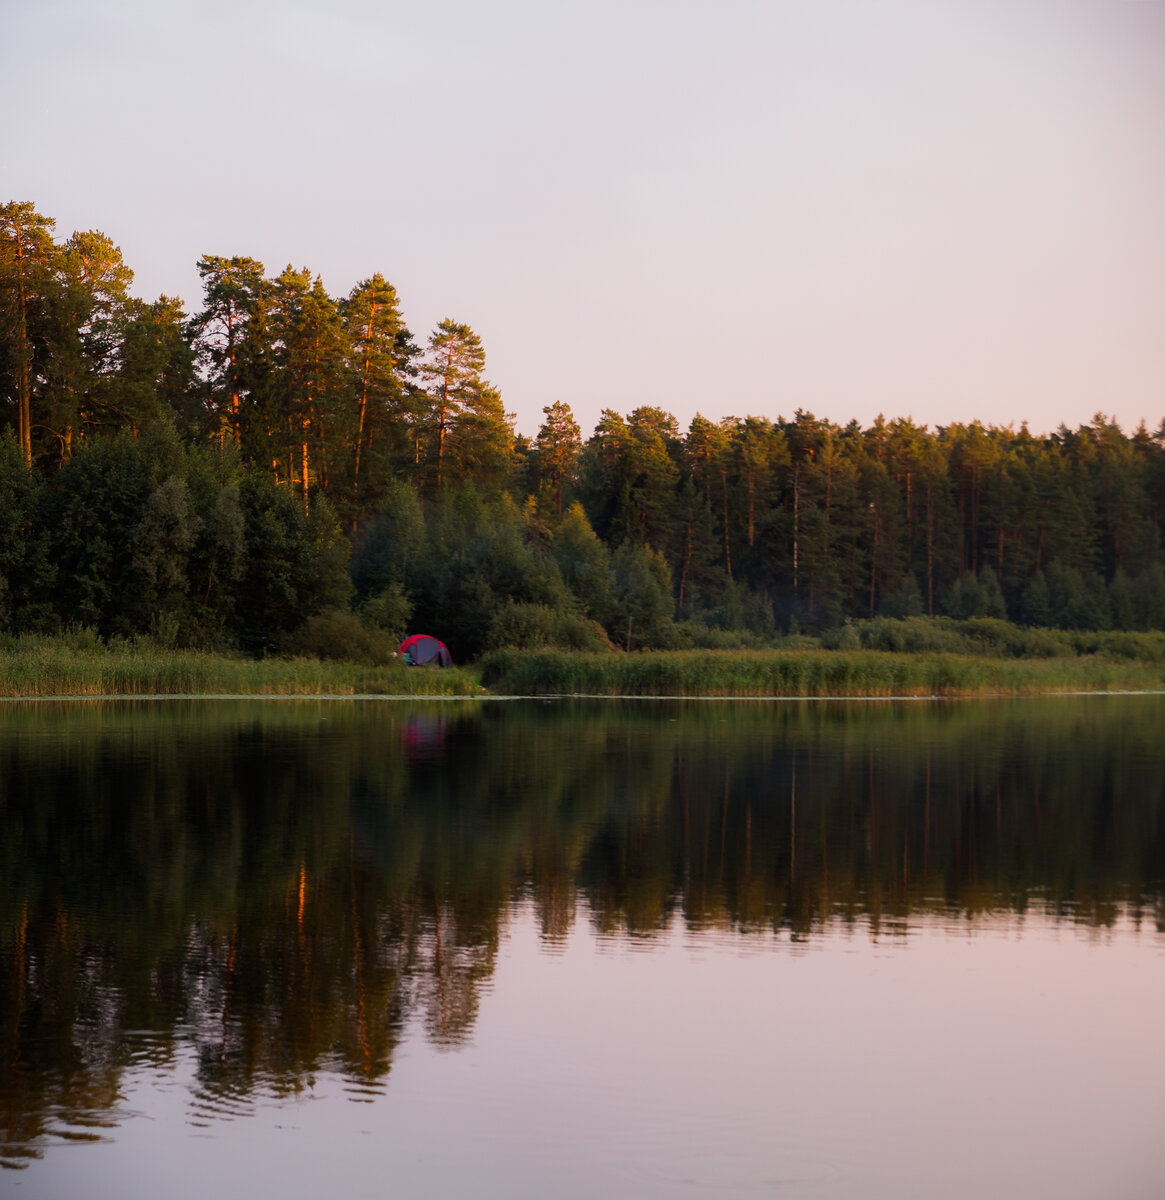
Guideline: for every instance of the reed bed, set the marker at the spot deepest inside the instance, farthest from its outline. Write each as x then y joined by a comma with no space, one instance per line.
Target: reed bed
80,665
806,673
36,666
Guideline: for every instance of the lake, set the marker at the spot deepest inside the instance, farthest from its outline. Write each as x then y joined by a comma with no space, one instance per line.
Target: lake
582,948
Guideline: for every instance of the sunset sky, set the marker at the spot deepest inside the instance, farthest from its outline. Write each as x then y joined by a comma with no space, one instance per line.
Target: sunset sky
947,211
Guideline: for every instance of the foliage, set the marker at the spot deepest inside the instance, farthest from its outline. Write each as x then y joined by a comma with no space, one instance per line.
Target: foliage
143,534
390,610
340,636
804,673
534,626
80,663
278,422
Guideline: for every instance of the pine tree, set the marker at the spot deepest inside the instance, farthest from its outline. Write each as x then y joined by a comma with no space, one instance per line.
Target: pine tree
97,307
27,255
383,357
652,477
760,451
696,546
452,368
235,291
155,378
481,441
310,351
708,454
557,448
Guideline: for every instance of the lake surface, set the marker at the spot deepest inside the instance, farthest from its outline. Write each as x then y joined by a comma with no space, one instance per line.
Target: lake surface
582,949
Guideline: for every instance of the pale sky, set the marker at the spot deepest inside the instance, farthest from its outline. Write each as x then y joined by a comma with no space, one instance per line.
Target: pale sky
945,210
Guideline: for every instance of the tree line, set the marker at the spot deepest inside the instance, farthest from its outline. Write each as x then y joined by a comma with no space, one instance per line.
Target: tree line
230,474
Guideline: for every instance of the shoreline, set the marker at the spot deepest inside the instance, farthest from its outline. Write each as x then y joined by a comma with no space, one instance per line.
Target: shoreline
511,698
52,669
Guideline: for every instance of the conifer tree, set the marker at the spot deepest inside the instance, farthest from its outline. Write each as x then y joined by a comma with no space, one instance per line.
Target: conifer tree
452,369
311,355
382,355
235,290
653,447
708,454
96,312
557,447
155,378
27,255
481,440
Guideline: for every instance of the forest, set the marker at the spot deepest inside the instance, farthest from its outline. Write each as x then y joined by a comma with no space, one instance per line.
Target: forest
282,470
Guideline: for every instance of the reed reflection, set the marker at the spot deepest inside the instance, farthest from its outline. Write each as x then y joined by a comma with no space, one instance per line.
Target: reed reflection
271,891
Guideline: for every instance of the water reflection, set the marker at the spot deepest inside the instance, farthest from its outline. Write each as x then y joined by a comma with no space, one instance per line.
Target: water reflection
268,891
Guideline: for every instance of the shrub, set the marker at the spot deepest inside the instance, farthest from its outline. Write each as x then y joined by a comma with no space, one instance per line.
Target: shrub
534,626
844,638
389,610
340,636
697,634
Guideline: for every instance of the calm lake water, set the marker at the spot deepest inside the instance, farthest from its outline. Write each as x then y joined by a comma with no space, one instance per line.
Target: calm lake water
582,949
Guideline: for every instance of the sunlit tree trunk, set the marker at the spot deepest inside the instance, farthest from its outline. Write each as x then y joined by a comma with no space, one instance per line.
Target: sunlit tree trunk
363,398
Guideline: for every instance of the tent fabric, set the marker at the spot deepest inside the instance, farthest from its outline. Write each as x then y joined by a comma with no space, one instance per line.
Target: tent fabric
421,650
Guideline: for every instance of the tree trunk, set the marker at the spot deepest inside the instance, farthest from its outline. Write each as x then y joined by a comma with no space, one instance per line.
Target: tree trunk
930,550
234,375
796,520
874,560
687,563
724,509
304,462
363,399
22,385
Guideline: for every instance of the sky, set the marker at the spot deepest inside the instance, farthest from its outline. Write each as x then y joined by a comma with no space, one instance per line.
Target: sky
945,211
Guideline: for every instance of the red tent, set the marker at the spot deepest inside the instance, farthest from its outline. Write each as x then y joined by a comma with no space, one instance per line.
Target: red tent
421,650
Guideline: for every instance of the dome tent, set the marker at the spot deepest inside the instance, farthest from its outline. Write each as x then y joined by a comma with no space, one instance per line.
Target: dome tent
421,650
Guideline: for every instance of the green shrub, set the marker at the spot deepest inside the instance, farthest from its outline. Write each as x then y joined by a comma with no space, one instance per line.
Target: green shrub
534,626
388,609
1041,643
340,637
697,634
845,637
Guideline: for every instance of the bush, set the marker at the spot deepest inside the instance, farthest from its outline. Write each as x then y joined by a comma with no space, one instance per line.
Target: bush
388,610
1146,647
845,637
1042,643
979,636
537,626
340,636
697,634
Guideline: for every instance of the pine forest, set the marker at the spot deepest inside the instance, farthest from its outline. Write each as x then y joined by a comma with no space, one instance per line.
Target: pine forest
287,471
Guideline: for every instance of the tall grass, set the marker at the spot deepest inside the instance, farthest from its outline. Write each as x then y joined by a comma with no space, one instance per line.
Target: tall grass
806,673
990,637
80,664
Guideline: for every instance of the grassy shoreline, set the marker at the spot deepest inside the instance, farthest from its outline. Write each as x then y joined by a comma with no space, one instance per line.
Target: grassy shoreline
32,667
809,673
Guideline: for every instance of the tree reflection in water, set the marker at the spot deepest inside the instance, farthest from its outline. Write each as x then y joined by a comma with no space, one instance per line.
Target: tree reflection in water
280,889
